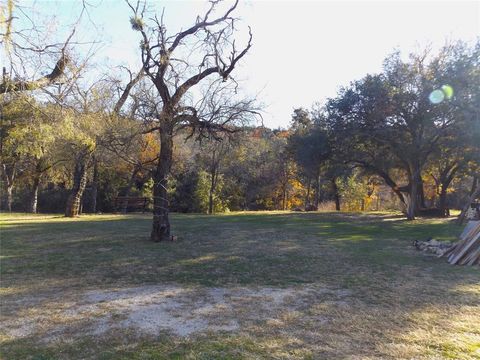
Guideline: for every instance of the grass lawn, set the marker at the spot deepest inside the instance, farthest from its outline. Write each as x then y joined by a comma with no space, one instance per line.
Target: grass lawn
236,286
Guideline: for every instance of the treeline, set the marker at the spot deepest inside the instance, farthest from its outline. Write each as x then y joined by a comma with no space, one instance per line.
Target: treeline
407,138
415,127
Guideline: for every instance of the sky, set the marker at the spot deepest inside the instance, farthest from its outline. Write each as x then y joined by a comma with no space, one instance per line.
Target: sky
303,51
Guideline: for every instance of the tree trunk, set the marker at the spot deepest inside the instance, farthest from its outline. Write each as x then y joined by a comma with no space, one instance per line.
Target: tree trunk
32,205
161,224
412,200
317,192
388,181
336,194
94,193
307,197
79,181
285,186
443,194
9,197
415,190
9,175
213,185
125,200
33,201
400,196
421,194
446,179
210,194
443,201
127,190
210,202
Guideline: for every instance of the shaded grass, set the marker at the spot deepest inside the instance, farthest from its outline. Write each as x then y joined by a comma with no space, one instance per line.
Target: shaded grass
403,301
274,249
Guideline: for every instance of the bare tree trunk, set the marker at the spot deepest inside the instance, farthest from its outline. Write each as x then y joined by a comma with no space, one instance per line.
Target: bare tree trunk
421,193
400,196
443,201
388,181
32,206
415,195
307,197
442,204
79,181
285,185
9,197
317,192
9,172
39,170
336,194
161,224
412,200
210,195
446,179
94,193
210,202
211,191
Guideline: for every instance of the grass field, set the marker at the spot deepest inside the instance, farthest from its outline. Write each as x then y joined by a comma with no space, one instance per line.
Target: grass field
235,286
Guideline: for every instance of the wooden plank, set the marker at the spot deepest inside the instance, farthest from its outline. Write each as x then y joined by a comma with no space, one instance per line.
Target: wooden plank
470,228
456,256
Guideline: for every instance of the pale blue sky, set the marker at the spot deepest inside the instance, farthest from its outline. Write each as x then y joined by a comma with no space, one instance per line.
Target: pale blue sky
303,51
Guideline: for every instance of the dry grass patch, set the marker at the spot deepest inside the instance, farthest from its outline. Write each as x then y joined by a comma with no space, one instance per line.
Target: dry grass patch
269,285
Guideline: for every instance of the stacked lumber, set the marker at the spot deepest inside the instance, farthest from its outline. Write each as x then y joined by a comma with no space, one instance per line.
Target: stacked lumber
467,250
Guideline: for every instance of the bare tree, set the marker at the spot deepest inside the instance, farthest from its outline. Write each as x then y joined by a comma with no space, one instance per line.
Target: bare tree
31,48
56,76
176,64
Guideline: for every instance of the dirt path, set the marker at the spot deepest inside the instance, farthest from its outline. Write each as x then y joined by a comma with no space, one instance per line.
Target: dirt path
153,309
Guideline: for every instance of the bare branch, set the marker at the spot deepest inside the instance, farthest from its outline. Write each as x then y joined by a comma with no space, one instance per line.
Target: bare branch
123,98
202,24
53,78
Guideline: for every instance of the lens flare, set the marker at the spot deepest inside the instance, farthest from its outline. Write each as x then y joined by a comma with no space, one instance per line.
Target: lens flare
447,91
436,96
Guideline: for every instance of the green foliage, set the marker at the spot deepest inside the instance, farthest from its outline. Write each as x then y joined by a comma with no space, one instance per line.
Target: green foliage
26,129
354,191
147,189
383,123
202,193
386,123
